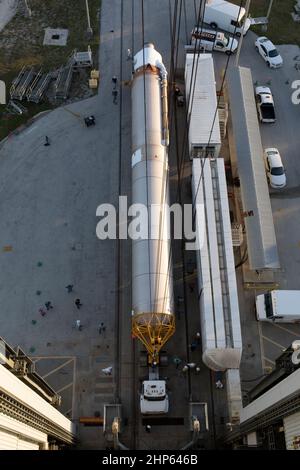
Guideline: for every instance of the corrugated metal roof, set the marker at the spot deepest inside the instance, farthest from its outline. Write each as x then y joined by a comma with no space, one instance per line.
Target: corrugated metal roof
277,394
204,104
220,318
261,240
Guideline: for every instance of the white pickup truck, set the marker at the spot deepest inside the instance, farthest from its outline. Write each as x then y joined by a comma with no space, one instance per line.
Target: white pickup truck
211,40
265,104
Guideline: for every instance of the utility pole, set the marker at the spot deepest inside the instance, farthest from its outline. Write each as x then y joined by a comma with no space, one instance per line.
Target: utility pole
27,9
236,63
89,30
270,8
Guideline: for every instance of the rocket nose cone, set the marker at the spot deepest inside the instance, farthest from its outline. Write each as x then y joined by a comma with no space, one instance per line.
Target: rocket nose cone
149,44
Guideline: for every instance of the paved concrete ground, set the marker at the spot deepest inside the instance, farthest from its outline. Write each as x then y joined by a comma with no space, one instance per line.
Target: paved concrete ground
49,197
48,201
285,203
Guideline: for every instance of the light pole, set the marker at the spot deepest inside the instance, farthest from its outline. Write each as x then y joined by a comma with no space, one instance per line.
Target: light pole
270,8
89,30
27,9
236,63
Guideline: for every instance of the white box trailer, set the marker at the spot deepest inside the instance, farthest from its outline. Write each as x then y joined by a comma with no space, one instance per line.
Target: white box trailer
201,98
227,16
279,306
218,299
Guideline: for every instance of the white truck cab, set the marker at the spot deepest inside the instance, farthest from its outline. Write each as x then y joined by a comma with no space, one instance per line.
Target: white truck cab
154,399
279,306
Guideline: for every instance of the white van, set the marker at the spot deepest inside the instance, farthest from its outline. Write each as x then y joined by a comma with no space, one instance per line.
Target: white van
227,16
279,306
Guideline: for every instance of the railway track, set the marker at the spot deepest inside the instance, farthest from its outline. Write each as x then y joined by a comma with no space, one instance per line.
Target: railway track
122,314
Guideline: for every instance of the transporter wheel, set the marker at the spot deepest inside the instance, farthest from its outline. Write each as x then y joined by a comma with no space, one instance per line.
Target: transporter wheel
238,35
268,64
214,25
256,48
228,52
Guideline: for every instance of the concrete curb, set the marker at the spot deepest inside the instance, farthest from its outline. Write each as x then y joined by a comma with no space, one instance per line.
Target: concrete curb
21,128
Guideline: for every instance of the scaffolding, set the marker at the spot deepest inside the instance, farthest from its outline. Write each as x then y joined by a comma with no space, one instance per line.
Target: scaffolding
39,86
21,83
64,79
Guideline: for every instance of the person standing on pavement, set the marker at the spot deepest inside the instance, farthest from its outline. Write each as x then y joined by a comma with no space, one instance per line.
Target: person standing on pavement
177,361
69,288
115,95
78,303
48,305
78,325
42,312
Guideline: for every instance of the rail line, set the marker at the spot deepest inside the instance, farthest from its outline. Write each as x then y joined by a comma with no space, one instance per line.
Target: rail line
121,342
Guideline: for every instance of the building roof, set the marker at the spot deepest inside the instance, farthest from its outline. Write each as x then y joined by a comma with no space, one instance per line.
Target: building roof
220,316
200,82
279,393
260,232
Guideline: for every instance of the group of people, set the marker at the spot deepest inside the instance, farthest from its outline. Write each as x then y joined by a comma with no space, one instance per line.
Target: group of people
78,305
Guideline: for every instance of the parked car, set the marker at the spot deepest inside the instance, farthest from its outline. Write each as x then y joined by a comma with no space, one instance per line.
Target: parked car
265,104
274,167
268,51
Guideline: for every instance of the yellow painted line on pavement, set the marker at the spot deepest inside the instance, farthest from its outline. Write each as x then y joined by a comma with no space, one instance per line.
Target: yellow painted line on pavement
65,387
274,342
269,360
288,331
57,368
262,351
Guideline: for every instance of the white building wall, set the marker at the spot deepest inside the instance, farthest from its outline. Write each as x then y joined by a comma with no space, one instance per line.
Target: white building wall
292,431
15,435
15,388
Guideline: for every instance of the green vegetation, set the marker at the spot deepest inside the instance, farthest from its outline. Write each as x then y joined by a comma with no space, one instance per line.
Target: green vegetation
10,122
281,29
21,43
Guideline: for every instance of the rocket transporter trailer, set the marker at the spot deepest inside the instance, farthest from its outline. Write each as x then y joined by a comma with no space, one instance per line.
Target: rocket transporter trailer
153,321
